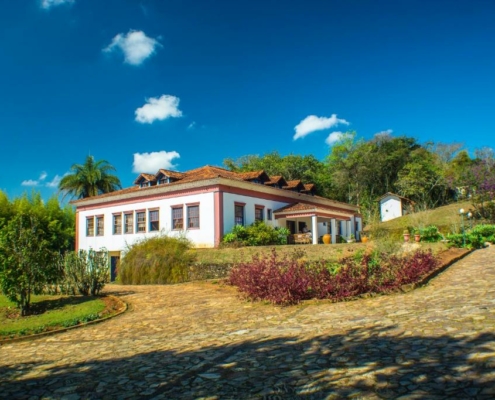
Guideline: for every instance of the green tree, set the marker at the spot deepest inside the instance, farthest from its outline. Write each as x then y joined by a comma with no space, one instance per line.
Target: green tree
422,180
306,168
90,179
26,261
5,209
58,223
364,170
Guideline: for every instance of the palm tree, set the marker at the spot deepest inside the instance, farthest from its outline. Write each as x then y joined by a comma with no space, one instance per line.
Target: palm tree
89,179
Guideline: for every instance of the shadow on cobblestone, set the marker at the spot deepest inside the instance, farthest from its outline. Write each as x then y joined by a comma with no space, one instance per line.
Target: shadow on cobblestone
379,363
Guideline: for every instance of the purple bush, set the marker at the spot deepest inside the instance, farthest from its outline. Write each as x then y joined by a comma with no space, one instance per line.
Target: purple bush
288,281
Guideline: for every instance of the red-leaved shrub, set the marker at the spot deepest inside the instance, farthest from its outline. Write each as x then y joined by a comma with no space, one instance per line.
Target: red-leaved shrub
288,281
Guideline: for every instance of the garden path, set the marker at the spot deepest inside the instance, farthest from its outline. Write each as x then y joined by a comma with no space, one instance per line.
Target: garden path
199,340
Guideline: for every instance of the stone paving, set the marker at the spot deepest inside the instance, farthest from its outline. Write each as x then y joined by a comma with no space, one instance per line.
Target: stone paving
199,340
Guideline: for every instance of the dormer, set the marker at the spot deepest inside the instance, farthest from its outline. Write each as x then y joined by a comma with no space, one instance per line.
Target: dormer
164,176
294,186
309,188
145,180
259,177
277,182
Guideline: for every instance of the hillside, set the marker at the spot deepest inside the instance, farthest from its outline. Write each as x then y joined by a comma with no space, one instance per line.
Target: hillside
446,218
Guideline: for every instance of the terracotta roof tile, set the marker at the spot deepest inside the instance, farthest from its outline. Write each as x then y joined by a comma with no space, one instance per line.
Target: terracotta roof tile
276,180
171,174
146,177
295,184
296,207
204,173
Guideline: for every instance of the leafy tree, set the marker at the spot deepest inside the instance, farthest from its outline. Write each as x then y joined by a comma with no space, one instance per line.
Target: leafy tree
422,180
306,168
90,179
458,174
364,170
483,181
26,260
5,209
58,223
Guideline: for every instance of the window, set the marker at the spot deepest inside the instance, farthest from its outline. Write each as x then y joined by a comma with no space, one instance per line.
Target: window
258,213
239,214
177,218
269,215
193,216
140,221
128,223
90,226
99,225
154,220
117,224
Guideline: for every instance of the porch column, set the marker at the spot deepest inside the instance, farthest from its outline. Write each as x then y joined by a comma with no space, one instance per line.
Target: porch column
353,226
343,224
314,228
333,225
359,227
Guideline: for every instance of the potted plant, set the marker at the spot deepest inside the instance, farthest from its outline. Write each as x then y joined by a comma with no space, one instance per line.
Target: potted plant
417,235
351,238
406,235
326,238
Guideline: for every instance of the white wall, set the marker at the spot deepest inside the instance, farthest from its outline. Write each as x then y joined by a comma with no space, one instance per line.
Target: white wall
202,237
229,200
390,208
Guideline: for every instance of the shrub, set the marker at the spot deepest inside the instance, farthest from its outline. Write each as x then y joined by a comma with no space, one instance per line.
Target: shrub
484,230
256,234
474,238
156,260
430,234
85,272
288,280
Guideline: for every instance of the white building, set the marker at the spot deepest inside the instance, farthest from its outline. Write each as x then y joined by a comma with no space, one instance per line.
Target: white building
204,204
394,206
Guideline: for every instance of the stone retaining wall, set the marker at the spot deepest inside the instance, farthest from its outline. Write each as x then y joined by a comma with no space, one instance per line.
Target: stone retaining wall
201,272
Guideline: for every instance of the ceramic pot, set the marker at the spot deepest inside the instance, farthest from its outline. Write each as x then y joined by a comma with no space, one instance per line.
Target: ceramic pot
327,238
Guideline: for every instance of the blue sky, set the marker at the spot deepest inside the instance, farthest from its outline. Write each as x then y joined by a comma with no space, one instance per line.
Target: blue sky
145,84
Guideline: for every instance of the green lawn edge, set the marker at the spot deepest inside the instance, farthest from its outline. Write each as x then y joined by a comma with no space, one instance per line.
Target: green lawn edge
55,321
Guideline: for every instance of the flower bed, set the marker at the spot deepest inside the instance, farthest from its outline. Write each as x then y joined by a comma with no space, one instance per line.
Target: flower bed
286,280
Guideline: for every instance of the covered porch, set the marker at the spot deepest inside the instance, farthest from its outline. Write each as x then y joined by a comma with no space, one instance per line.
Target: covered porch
316,221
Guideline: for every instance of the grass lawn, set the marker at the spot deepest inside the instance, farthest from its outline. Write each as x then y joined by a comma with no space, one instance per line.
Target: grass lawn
446,218
48,313
312,252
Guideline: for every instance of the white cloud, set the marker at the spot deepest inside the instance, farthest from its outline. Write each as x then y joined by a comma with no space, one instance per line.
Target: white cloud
313,123
335,137
135,45
152,162
47,4
191,126
386,132
161,108
30,182
54,182
41,181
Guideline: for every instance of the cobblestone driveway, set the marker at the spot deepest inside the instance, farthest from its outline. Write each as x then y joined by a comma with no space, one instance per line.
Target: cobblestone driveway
200,341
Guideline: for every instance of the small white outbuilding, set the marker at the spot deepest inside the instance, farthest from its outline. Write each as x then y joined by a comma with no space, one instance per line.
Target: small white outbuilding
394,206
